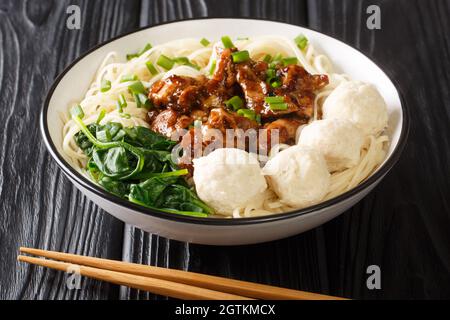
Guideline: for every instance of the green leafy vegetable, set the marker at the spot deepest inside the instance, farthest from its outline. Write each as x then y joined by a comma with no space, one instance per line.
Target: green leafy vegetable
135,163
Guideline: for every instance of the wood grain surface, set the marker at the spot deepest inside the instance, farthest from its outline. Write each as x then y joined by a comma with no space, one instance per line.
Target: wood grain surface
402,226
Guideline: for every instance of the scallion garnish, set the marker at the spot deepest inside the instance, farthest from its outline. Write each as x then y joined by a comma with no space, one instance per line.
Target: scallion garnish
181,60
278,106
276,103
128,77
249,114
267,58
213,67
122,103
125,115
271,73
136,87
144,101
275,83
101,116
277,58
185,61
165,62
205,42
301,41
147,47
289,61
258,118
235,103
151,68
276,99
77,112
240,56
132,56
105,85
227,43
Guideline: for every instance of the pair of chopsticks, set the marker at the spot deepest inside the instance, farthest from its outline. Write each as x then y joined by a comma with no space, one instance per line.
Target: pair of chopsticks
167,282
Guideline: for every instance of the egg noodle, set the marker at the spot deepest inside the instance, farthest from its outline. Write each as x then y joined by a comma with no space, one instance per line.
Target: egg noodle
96,102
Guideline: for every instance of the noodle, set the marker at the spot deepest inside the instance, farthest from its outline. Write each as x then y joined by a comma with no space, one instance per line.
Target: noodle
112,70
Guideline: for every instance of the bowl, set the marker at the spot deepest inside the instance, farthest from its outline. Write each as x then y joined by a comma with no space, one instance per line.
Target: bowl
74,81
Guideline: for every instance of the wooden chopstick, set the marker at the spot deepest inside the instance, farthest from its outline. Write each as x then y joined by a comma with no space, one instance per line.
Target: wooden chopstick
158,286
233,287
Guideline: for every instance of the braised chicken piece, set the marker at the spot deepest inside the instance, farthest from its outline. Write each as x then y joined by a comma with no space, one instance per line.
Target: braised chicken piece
178,93
287,129
225,73
169,121
221,119
253,85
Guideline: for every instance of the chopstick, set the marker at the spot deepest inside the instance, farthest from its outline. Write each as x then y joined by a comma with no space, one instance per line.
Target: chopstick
161,287
167,282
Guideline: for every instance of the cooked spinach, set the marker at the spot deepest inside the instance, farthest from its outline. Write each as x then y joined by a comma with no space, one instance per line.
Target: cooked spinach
135,164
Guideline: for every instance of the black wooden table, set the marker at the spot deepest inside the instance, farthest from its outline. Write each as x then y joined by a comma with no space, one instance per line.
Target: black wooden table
403,226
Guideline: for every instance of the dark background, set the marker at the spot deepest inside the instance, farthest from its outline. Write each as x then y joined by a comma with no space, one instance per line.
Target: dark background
403,225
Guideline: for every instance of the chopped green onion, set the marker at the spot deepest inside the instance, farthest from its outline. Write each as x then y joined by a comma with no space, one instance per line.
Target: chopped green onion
165,62
142,100
271,73
181,60
205,42
301,41
276,99
227,43
127,78
277,58
77,112
249,114
132,56
235,103
105,86
103,135
267,58
289,61
136,87
147,47
137,100
101,116
278,106
258,118
240,56
151,68
213,67
185,61
275,83
121,103
125,115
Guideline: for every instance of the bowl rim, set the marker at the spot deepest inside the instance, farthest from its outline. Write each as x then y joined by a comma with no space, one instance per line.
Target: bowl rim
97,190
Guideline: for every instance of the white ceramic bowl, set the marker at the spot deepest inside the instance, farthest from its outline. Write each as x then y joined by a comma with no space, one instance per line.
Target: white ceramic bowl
72,84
